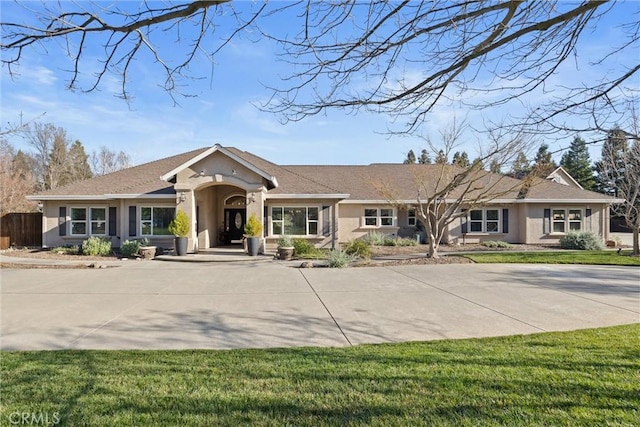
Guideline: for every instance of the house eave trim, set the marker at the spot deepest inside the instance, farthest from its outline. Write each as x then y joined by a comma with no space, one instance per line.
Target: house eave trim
568,201
69,197
306,196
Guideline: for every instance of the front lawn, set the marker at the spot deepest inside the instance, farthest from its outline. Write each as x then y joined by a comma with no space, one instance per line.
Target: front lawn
556,257
589,377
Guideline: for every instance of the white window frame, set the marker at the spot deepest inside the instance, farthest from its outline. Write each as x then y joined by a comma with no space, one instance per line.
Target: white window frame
566,221
483,221
88,220
150,221
412,217
307,220
379,217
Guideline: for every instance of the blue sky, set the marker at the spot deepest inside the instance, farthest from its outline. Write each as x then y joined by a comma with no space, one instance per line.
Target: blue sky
150,126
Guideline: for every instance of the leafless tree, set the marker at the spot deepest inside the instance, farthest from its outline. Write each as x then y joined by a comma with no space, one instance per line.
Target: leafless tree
16,181
105,161
620,168
443,190
402,58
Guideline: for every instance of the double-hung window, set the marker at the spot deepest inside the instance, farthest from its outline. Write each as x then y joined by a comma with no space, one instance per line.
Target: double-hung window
378,217
154,221
411,217
88,221
295,220
566,220
484,221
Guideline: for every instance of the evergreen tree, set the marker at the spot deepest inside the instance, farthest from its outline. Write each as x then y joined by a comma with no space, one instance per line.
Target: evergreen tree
612,171
424,158
495,167
543,162
78,163
577,163
461,159
441,158
520,167
411,158
57,168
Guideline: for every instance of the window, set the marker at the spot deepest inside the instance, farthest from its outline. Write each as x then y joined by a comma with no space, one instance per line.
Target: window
378,217
98,221
154,221
411,217
95,224
78,221
484,221
295,221
566,220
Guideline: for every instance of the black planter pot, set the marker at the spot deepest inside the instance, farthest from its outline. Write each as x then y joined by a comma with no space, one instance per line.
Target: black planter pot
181,245
253,245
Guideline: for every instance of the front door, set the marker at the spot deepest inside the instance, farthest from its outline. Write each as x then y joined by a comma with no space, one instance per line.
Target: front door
234,220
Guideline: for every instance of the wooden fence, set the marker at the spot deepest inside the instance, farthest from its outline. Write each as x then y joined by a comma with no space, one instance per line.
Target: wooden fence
21,229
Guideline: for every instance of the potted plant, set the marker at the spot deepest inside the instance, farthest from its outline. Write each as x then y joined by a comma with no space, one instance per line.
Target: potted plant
179,227
253,233
285,247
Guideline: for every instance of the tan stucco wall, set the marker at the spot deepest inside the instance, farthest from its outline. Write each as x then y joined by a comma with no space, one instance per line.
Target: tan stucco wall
350,222
454,235
533,216
51,209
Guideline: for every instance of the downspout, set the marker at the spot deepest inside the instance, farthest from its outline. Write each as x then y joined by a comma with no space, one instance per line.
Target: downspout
333,225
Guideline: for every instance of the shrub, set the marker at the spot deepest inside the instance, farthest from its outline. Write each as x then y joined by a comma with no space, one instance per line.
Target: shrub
130,248
406,242
179,226
339,259
373,238
253,227
285,241
496,244
358,248
67,250
581,240
303,247
96,246
390,241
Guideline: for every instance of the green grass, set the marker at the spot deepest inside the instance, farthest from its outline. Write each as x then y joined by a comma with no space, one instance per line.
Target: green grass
589,377
556,257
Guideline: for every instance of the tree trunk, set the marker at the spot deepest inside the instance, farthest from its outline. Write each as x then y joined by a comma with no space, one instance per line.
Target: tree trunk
432,247
636,241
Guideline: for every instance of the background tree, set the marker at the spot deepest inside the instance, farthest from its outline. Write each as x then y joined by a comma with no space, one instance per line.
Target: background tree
495,167
57,161
16,180
577,163
349,54
424,159
543,163
611,168
619,175
411,158
105,161
461,159
441,158
79,168
521,166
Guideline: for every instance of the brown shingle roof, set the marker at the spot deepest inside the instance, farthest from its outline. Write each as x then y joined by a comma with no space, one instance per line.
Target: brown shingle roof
361,182
141,179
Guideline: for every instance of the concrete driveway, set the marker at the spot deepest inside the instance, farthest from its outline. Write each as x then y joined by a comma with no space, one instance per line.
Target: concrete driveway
160,305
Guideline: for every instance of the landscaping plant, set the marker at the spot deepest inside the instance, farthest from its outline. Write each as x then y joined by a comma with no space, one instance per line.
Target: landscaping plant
96,246
179,226
581,240
339,259
358,248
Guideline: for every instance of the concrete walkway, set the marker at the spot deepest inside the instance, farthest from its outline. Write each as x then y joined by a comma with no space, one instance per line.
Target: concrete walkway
165,305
